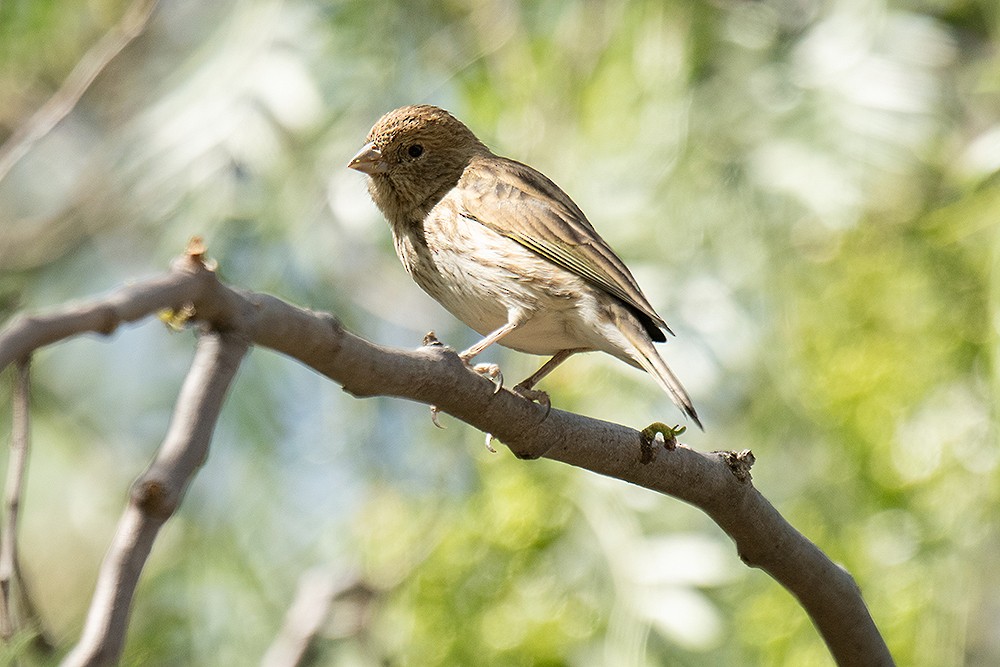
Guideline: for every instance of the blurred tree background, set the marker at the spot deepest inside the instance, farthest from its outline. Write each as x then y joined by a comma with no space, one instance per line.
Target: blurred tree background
806,190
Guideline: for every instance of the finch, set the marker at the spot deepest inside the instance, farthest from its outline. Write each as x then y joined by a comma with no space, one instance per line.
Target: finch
505,250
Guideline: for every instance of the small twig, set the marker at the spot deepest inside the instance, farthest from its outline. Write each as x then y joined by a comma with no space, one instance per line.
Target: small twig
76,84
12,496
317,590
11,581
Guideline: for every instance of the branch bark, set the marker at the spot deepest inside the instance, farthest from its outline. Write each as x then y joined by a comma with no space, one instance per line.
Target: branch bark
716,482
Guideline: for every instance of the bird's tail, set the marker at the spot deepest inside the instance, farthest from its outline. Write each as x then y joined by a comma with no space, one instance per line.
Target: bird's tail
645,355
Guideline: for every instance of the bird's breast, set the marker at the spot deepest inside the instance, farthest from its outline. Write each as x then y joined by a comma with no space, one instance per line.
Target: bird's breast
487,280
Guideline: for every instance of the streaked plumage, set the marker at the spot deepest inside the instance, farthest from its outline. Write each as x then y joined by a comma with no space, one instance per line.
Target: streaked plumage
504,249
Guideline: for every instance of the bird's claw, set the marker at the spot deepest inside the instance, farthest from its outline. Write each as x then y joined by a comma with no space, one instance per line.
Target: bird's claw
536,396
435,410
493,373
489,443
669,434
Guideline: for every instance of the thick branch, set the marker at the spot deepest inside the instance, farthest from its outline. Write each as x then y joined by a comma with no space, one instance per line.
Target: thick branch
714,482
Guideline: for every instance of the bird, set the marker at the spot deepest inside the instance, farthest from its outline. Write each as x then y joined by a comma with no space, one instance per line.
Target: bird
506,251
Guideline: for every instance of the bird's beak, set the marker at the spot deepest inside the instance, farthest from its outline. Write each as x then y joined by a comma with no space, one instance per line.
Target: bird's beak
368,160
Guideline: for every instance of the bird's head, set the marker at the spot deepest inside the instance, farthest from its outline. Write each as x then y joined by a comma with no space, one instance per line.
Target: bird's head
414,155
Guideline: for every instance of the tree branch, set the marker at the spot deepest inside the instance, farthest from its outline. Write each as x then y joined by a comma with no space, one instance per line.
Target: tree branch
317,590
157,494
76,84
717,482
12,582
12,498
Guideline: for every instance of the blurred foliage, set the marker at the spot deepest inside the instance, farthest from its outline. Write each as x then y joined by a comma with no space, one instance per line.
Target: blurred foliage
807,191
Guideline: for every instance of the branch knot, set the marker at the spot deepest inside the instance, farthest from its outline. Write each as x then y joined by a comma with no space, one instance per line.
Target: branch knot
153,498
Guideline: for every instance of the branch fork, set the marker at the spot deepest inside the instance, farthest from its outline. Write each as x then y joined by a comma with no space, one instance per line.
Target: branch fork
233,320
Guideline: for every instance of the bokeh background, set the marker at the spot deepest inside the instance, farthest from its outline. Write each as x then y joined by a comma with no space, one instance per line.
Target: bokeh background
806,190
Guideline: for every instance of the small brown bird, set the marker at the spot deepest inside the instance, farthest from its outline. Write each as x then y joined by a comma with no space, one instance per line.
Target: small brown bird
505,250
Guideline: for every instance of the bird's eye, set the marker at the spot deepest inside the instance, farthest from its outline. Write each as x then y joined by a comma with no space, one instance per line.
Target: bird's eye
415,150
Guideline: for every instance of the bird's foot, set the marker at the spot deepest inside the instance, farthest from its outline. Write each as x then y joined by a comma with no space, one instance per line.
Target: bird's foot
536,396
492,372
669,434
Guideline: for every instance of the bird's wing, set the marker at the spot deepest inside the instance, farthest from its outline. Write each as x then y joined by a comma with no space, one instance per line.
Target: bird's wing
520,203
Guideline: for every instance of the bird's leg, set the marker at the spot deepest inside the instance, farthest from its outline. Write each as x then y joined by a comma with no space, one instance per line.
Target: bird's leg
526,387
492,371
529,383
489,340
